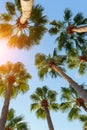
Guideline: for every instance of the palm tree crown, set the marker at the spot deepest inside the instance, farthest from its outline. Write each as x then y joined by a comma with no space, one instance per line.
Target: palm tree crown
66,41
15,74
22,35
71,102
15,122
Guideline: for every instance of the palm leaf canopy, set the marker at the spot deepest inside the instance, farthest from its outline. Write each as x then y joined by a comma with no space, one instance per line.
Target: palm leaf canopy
22,35
74,61
18,71
42,63
40,95
69,104
15,122
64,39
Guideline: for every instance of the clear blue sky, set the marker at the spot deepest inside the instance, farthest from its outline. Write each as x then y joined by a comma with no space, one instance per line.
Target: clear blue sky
54,10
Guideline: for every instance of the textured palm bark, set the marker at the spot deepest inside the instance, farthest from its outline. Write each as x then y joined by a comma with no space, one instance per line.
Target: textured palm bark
26,6
5,108
80,29
49,121
77,88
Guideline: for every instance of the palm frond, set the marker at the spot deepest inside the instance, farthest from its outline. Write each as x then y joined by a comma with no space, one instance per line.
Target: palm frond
6,30
67,14
65,106
74,114
34,106
54,106
40,113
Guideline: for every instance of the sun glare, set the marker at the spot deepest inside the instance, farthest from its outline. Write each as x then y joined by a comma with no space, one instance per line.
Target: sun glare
4,52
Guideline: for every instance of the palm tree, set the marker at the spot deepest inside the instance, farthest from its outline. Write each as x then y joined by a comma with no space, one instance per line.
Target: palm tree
52,65
13,80
63,29
43,101
70,101
22,35
15,122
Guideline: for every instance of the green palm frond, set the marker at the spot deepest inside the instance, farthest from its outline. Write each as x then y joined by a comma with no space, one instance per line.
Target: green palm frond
67,14
82,68
54,106
38,11
78,18
39,59
65,106
66,94
85,126
10,114
40,113
34,106
56,27
22,125
23,88
10,7
35,97
18,5
52,95
74,113
83,118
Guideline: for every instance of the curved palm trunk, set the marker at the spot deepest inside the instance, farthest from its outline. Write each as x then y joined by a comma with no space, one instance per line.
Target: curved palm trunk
80,29
73,84
26,6
50,124
5,108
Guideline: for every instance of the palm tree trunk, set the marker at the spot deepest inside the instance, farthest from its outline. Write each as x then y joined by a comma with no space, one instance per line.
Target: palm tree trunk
50,124
80,29
26,6
77,88
5,108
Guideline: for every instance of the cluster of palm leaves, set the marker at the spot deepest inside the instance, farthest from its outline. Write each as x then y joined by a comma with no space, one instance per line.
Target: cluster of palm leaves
15,122
22,35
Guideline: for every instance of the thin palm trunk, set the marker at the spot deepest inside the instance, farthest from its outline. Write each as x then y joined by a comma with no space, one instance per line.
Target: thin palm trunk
74,85
80,29
5,108
26,6
50,124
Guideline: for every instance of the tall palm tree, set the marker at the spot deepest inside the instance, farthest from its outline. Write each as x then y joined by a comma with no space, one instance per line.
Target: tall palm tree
22,35
76,41
43,101
71,103
15,122
52,65
13,80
